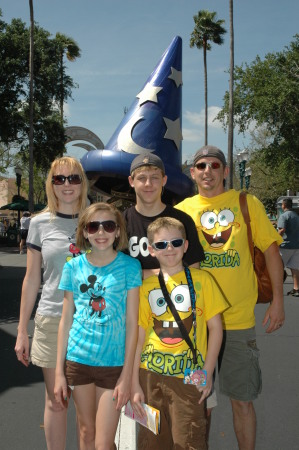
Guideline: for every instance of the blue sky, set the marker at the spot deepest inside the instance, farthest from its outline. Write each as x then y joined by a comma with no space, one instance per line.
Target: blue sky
122,40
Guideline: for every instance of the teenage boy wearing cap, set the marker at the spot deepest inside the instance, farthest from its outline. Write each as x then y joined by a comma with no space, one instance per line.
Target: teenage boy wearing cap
147,177
223,235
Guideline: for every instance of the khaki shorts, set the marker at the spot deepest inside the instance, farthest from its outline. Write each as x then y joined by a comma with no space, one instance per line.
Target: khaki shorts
182,419
81,374
240,375
44,343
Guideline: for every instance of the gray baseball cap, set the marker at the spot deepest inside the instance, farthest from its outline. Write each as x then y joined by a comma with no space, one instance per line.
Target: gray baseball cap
148,159
207,151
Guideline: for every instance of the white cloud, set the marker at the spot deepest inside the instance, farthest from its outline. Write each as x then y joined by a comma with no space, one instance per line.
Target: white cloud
198,119
192,135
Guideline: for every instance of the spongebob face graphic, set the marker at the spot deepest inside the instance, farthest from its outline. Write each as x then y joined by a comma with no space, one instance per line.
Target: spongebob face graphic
165,326
217,227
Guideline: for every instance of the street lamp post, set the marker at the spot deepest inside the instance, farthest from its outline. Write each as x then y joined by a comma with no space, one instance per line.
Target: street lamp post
19,173
242,158
248,173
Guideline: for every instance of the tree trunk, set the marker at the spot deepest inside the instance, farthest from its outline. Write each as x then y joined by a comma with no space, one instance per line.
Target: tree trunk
31,108
230,146
61,88
206,91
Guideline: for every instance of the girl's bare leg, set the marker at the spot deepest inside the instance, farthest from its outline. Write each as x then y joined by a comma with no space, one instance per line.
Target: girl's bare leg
106,419
55,416
85,401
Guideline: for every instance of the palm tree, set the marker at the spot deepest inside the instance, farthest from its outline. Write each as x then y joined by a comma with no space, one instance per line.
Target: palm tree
207,29
31,107
70,48
230,146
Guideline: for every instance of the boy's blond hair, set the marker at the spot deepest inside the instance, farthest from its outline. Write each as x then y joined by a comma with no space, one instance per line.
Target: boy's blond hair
164,222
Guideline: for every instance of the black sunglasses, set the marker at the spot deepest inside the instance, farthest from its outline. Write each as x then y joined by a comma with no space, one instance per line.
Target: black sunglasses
58,180
212,165
162,245
108,225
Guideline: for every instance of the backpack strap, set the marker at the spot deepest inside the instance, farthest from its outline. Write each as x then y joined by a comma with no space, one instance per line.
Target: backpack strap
176,316
245,212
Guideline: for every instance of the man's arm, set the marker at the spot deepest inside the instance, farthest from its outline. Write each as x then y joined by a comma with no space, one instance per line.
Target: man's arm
281,231
275,312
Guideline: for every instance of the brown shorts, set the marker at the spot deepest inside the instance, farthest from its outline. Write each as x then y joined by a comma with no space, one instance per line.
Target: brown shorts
182,419
80,374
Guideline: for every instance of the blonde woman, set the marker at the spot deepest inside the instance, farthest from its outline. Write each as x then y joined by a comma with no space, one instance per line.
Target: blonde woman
51,242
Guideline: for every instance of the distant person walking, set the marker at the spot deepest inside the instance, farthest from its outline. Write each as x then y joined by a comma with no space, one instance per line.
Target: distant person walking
24,227
288,228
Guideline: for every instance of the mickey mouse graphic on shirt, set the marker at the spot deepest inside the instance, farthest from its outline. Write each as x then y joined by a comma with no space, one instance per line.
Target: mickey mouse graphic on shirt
75,251
97,302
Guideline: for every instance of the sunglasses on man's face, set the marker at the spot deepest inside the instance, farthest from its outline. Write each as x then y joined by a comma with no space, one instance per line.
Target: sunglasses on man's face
108,225
162,245
213,165
59,180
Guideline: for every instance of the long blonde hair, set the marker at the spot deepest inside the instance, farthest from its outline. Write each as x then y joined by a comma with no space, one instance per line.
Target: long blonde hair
82,243
75,167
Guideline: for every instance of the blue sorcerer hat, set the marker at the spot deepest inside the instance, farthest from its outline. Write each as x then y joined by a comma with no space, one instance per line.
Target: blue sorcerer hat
153,124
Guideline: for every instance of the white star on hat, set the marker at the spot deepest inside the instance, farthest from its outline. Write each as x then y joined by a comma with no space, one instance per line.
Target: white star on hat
149,94
173,131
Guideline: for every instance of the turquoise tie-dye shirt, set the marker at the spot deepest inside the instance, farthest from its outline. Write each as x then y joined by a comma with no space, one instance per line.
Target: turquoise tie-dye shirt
98,333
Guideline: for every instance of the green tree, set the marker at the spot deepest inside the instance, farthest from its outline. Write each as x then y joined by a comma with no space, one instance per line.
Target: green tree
31,106
266,94
49,138
207,30
267,182
14,58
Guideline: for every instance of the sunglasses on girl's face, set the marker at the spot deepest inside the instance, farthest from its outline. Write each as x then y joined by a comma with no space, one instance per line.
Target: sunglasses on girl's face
108,225
162,245
58,180
212,165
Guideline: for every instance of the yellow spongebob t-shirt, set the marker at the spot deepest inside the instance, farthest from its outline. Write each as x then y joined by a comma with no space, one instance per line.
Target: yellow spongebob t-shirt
223,235
165,351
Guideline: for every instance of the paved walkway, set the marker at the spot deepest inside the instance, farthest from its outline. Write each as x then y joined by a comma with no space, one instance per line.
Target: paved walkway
22,390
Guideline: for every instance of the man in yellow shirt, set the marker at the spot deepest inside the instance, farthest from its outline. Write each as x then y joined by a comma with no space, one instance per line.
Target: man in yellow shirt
223,235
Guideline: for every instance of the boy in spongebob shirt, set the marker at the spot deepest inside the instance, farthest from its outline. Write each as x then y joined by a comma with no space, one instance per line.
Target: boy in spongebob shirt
162,354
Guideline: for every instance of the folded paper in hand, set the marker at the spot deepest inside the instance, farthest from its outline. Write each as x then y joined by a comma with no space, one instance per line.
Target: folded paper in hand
152,419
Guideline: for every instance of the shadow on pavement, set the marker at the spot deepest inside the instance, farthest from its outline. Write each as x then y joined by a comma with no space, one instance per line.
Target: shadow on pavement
11,279
13,373
11,287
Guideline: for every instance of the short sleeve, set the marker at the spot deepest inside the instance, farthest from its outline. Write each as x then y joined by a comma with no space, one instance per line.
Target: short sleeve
34,238
134,272
66,283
